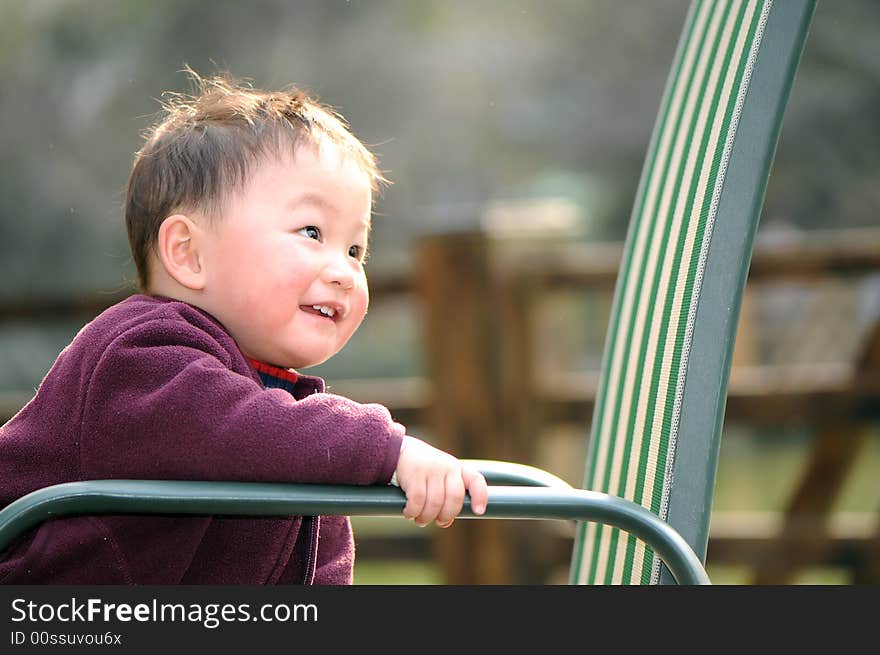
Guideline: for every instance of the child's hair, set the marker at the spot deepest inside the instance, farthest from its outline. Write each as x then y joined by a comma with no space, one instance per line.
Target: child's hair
204,144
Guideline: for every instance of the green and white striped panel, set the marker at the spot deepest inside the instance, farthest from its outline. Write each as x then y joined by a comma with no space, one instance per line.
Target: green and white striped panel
646,355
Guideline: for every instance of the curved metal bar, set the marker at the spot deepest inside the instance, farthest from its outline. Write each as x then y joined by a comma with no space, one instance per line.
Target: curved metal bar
248,498
517,475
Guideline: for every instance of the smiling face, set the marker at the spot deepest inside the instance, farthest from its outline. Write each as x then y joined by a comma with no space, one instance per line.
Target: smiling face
284,264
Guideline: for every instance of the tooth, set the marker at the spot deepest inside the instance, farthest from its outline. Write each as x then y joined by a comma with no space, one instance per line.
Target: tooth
325,310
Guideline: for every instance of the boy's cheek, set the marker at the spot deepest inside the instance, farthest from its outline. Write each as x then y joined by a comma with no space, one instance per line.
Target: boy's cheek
359,309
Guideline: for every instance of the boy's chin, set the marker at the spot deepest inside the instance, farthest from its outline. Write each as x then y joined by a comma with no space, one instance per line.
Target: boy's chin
302,362
300,355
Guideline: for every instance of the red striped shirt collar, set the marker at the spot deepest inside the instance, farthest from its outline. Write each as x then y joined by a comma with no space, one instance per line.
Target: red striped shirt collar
275,371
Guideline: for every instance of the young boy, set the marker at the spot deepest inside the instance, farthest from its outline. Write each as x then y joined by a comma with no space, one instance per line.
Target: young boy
248,215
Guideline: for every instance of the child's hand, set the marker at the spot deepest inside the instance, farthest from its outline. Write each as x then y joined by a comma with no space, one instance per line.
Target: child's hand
435,483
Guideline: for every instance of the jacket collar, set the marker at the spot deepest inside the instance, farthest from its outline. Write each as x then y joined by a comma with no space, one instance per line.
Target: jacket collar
297,384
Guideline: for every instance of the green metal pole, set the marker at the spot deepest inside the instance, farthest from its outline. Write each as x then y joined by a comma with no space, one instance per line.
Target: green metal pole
247,498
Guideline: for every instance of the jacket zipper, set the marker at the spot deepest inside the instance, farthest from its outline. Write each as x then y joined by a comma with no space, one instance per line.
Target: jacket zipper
308,576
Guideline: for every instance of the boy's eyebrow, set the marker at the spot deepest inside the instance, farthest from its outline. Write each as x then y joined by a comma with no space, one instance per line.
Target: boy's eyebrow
318,200
314,199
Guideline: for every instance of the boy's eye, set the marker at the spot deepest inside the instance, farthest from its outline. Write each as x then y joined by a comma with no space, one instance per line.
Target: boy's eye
311,232
356,252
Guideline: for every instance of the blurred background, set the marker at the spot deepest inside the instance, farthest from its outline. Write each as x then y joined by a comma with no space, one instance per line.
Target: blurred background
522,125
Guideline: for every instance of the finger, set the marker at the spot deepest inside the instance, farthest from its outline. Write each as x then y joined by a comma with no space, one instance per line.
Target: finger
454,485
436,491
477,488
416,494
446,524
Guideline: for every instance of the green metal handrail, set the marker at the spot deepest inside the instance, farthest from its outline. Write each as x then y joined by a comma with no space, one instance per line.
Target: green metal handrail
541,496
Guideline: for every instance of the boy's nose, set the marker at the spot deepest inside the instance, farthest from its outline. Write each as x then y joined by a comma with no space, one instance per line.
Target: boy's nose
338,272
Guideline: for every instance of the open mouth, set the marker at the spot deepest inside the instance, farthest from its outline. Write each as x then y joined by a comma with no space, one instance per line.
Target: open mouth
322,311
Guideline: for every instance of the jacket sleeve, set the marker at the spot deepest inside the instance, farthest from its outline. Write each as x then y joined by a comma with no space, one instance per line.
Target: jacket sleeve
163,403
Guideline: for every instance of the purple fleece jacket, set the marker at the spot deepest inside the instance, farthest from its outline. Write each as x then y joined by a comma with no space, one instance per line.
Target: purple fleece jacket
154,388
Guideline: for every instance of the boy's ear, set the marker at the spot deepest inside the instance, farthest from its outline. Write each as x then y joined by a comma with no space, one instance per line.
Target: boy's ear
178,248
